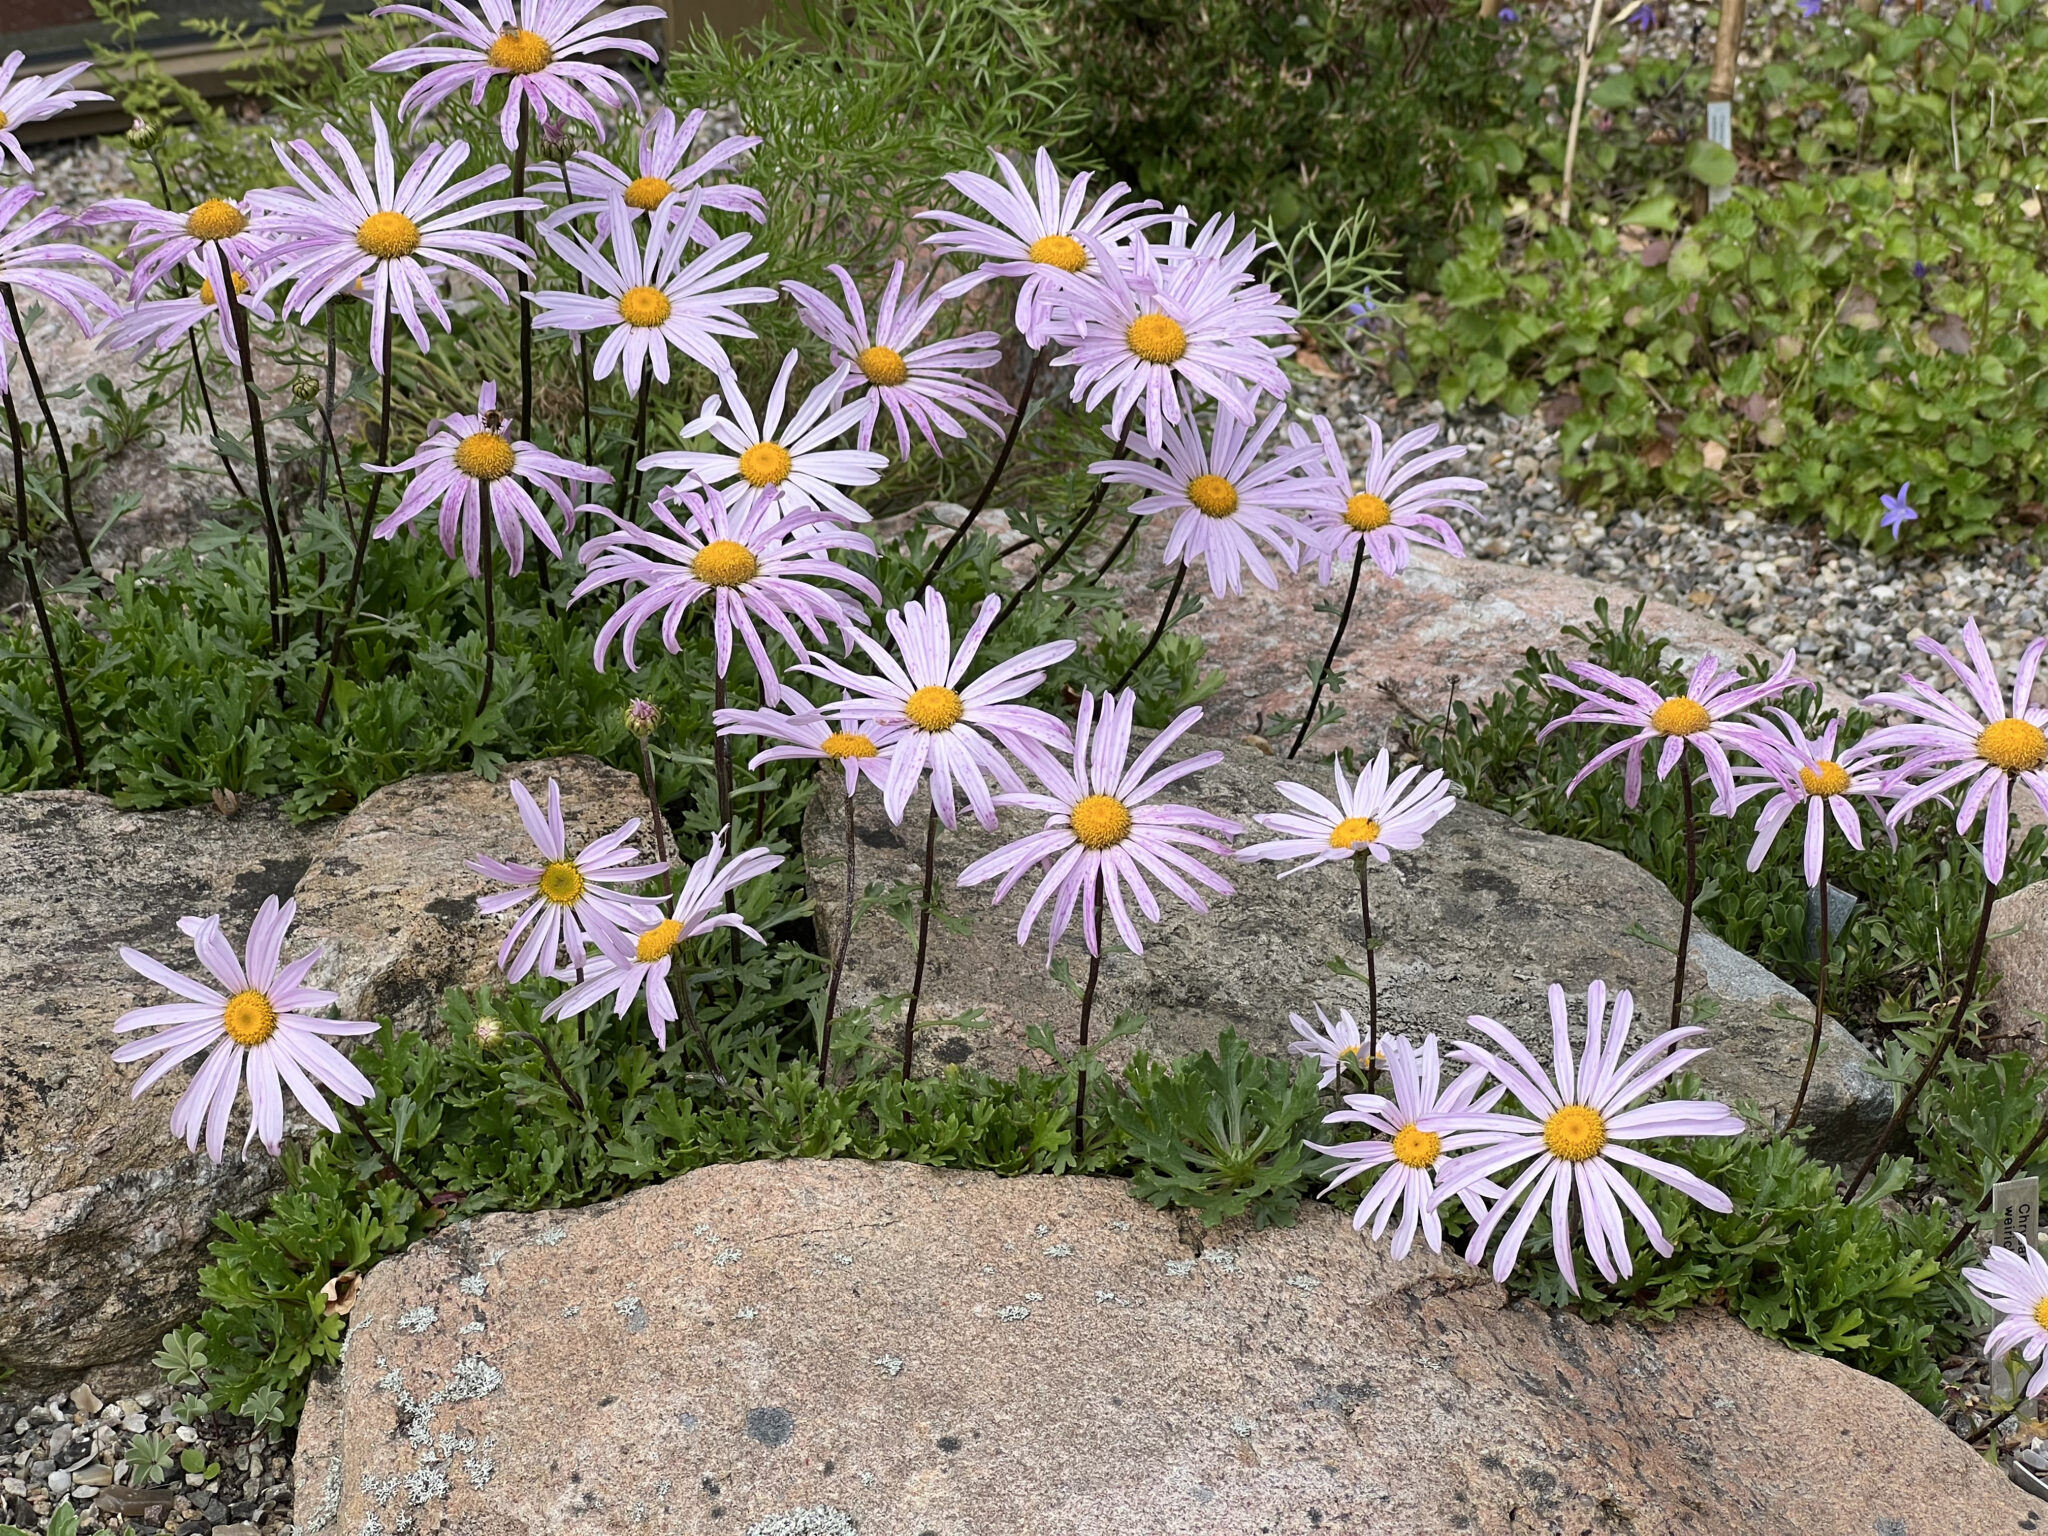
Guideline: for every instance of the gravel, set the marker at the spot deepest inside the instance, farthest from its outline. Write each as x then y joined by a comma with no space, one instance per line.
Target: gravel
77,1447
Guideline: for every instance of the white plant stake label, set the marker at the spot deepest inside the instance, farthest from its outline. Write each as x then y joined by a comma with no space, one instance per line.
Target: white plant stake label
1721,131
2016,1223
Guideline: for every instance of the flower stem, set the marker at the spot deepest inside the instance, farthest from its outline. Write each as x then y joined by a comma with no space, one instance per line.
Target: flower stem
995,473
2012,1170
1087,1013
273,530
1046,566
839,956
924,928
25,553
192,341
554,1067
721,767
1322,677
1820,994
1158,630
1941,1048
1691,835
654,814
337,643
540,553
484,533
390,1164
629,472
35,383
1372,975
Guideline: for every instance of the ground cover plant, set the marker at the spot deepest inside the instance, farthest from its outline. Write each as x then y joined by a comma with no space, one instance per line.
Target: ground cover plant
728,581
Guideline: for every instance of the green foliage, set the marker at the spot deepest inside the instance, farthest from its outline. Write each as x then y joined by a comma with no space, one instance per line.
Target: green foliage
149,1456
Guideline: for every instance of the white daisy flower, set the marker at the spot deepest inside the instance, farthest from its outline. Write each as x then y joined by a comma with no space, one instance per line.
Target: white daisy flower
1371,814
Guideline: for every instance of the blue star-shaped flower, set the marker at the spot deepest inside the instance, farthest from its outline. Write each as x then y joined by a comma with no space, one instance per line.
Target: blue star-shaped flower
1896,513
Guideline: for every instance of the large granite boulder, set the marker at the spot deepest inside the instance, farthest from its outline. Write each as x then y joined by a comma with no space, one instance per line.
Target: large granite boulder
847,1349
2018,953
1481,920
104,1219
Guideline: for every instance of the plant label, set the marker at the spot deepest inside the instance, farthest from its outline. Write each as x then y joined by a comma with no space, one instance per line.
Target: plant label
2016,1223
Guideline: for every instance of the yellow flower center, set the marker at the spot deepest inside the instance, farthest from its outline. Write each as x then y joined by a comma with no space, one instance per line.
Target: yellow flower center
562,883
1825,778
934,708
1680,717
645,307
1417,1148
1354,830
2014,745
484,456
1212,495
766,464
845,744
388,236
646,192
206,289
3,120
884,366
1062,251
1157,339
657,941
520,52
1366,512
249,1019
725,563
1575,1134
2041,1313
1100,821
215,220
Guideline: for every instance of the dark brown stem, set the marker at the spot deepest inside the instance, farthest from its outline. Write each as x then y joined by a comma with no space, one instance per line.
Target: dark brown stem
1087,1013
721,768
839,956
212,421
654,815
682,970
337,644
554,1067
273,532
995,473
525,304
390,1164
629,472
486,535
924,928
26,554
35,383
1941,1048
1372,975
1051,562
1343,621
1158,630
1820,995
1691,890
1123,543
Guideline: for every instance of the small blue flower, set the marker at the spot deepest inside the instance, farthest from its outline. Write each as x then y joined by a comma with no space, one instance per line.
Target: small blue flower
1919,269
1507,15
1811,8
1896,513
1645,19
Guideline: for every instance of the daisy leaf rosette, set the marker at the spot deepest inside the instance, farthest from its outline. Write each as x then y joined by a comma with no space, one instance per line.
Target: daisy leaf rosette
638,960
2015,1287
1224,496
1420,1124
567,898
1104,830
1797,770
661,167
26,99
759,451
801,733
1377,813
542,49
344,223
1385,507
653,297
961,732
260,1023
30,261
1983,748
758,563
470,452
921,385
1581,1113
1039,231
1705,717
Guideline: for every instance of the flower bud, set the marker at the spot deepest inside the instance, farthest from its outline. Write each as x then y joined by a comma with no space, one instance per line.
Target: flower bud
306,389
490,1029
642,717
143,133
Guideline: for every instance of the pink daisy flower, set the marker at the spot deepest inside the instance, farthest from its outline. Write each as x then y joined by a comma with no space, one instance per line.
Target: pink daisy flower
28,262
914,384
958,730
157,324
391,233
1223,501
1703,718
1805,771
759,562
1337,1047
1144,328
1581,1118
161,240
639,958
1947,746
35,98
653,297
1042,232
858,746
762,453
568,898
1103,833
593,181
542,48
1419,1125
2015,1286
1376,813
261,1019
1387,509
468,453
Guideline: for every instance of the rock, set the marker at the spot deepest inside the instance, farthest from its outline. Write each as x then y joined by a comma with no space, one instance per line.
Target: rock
104,1220
2018,953
60,1482
1481,920
898,1349
85,1400
394,906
